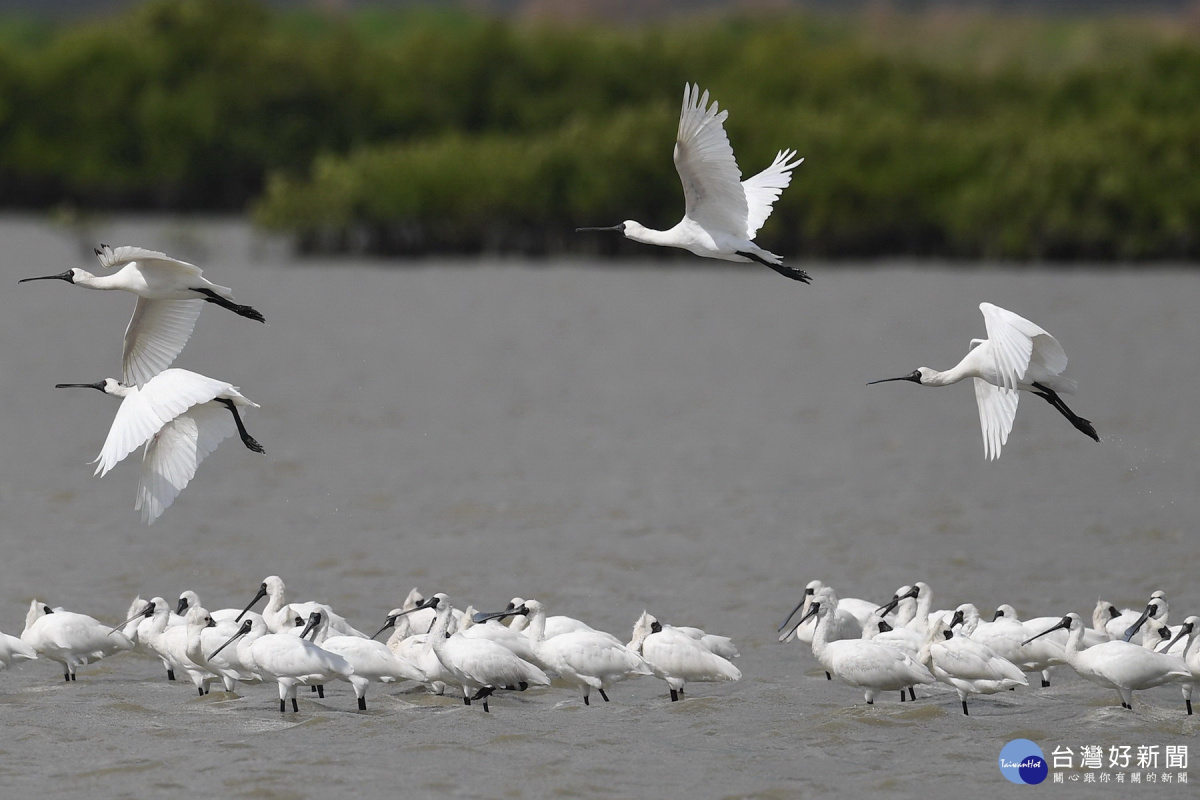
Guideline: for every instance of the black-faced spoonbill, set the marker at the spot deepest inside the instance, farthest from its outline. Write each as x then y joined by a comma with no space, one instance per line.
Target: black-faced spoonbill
862,663
969,666
1156,608
69,638
280,613
1016,356
477,665
1006,636
371,660
1189,631
585,660
722,213
181,417
1123,666
291,660
677,657
170,293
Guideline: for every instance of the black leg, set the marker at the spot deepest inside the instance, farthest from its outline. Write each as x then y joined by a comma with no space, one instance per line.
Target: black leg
362,704
602,694
295,706
828,677
73,676
282,705
912,694
200,689
486,710
870,702
674,696
1045,683
787,272
1189,706
67,677
248,440
320,691
585,700
522,686
1051,397
170,674
901,695
964,702
241,311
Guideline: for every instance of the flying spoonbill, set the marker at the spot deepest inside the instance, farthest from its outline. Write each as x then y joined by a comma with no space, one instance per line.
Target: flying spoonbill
1123,666
1017,355
722,213
170,295
181,417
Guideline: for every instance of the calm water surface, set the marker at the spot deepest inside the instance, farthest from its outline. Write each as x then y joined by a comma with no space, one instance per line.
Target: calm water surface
698,443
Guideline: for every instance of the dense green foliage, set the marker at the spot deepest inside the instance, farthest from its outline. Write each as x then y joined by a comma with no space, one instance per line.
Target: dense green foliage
406,133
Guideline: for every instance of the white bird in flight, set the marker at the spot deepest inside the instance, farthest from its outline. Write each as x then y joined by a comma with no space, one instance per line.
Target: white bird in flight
1017,355
170,295
180,417
722,213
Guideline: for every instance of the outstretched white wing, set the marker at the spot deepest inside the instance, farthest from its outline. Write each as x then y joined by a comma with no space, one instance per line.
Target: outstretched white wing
145,411
763,189
157,332
1013,339
997,408
712,189
173,455
113,257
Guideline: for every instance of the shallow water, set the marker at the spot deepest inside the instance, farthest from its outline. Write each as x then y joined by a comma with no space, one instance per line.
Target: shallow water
699,443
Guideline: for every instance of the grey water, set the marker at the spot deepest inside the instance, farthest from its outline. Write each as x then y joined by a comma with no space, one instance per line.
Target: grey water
694,441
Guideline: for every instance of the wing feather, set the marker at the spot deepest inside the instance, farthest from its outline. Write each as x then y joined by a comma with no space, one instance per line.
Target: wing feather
171,459
712,188
133,426
763,189
113,257
157,333
997,408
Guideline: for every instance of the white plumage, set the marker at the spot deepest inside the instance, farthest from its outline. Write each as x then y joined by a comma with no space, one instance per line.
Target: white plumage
1017,356
170,293
69,638
180,417
722,213
677,657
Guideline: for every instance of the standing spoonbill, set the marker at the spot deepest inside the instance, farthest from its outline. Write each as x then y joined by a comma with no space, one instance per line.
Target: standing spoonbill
69,638
584,659
280,614
676,657
862,663
1017,355
1123,666
722,213
181,417
170,293
969,666
289,659
371,660
1191,655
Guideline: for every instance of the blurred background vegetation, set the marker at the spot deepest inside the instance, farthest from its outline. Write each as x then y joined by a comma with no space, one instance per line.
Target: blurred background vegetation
937,132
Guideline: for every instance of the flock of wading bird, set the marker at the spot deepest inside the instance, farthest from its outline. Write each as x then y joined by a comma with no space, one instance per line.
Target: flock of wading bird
904,643
179,417
309,644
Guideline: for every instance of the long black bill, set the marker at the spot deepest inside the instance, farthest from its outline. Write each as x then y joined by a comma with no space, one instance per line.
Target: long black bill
812,612
1132,629
484,616
1064,623
791,614
1184,630
242,631
146,611
262,592
97,385
618,228
391,620
62,276
914,376
887,607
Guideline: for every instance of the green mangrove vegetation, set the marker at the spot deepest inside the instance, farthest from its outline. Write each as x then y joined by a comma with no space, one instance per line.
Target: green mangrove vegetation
955,136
